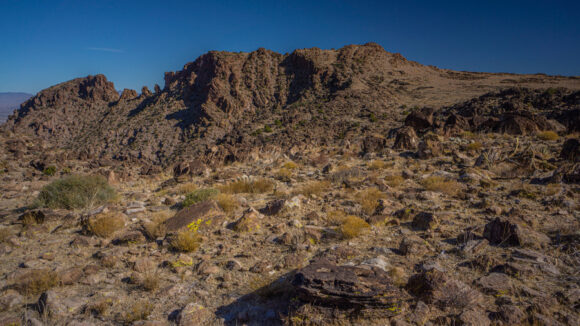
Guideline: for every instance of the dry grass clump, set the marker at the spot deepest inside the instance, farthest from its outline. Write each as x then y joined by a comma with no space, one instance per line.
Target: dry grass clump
467,135
156,227
104,224
198,196
257,186
185,188
150,281
313,188
139,310
376,165
290,165
284,174
474,147
369,199
186,241
547,135
552,189
36,281
441,184
394,180
227,202
344,173
5,234
398,276
76,192
335,217
352,226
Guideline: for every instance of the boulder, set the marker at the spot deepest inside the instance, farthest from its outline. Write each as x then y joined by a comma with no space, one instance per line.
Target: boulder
273,207
373,143
202,217
346,287
406,139
424,221
249,222
502,231
420,119
429,147
189,168
571,150
437,287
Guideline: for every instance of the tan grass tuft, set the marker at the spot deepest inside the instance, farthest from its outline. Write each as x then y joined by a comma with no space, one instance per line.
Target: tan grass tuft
186,241
105,224
441,184
352,227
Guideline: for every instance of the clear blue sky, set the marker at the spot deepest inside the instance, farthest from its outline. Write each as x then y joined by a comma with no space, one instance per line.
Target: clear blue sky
134,42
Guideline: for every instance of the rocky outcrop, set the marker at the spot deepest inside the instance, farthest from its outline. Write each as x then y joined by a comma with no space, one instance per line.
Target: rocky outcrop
222,106
347,287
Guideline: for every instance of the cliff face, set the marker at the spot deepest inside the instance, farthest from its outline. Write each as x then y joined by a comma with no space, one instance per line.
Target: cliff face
224,105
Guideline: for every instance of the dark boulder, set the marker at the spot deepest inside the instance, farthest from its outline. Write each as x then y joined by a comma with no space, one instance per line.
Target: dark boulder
571,150
346,287
406,138
373,143
420,119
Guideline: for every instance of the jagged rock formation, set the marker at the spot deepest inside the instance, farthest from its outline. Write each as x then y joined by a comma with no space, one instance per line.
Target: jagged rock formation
223,106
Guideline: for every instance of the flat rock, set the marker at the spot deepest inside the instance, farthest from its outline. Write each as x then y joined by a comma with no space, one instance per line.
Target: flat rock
323,282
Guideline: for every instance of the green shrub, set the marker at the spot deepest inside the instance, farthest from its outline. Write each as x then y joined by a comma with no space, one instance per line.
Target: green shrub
76,192
49,170
199,195
267,129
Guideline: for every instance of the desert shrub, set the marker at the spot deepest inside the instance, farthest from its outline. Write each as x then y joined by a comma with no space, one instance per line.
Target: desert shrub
394,180
441,184
105,224
335,217
36,281
257,186
369,199
49,170
352,226
284,174
313,188
377,165
290,165
186,241
139,310
474,147
76,192
547,135
198,196
155,228
227,202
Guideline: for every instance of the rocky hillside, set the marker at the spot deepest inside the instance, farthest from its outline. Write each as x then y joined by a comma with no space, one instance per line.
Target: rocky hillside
224,106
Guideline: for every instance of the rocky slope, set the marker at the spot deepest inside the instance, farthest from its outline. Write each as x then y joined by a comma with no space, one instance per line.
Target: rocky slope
224,106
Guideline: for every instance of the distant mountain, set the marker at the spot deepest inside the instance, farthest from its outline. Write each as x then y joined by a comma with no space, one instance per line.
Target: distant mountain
10,102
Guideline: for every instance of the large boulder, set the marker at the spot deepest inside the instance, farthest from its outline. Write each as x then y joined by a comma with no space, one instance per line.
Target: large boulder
406,139
202,217
345,287
420,119
502,231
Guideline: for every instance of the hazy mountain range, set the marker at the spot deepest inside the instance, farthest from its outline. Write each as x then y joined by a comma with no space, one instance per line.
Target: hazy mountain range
11,101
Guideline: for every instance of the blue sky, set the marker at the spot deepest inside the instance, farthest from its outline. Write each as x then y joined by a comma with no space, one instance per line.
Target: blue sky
134,42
